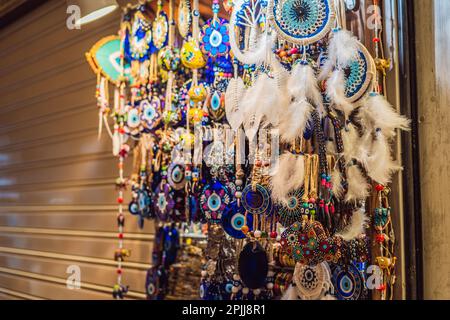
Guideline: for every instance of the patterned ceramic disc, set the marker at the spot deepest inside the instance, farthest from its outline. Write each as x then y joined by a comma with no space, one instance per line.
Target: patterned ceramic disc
160,31
163,202
233,219
176,177
214,199
257,201
150,113
348,282
184,17
359,75
303,21
292,211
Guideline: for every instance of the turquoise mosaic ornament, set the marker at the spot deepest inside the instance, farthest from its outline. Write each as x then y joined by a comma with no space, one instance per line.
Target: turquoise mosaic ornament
359,75
302,21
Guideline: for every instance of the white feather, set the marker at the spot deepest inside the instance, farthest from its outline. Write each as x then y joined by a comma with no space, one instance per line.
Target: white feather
302,83
293,122
350,139
336,181
380,165
356,227
343,48
290,294
379,113
280,73
336,92
358,187
233,95
288,176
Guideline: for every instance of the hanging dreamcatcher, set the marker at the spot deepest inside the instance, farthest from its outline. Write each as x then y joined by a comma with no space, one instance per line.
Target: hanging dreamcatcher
312,282
302,21
256,200
248,22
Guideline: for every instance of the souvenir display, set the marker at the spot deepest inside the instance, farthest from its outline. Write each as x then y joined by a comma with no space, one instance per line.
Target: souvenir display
261,131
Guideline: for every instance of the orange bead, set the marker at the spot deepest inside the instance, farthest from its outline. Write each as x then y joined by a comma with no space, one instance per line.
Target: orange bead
244,229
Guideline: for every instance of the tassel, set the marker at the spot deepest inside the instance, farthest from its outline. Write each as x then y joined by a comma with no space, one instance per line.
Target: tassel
356,227
358,188
233,95
380,165
288,176
378,113
336,92
290,294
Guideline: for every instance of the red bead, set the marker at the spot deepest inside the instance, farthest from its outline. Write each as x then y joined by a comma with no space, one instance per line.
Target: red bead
120,235
382,287
273,235
380,238
376,40
121,130
379,187
120,200
119,271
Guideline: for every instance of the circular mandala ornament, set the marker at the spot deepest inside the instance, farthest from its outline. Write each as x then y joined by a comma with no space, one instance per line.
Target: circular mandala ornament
184,18
163,202
176,176
256,200
302,21
291,212
359,75
311,283
233,219
215,39
213,200
348,282
160,30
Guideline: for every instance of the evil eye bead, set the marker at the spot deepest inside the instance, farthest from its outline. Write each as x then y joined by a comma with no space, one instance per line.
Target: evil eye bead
149,113
214,202
133,118
238,221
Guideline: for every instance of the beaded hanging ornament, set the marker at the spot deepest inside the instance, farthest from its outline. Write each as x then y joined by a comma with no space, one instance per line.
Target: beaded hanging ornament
184,18
234,219
214,199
